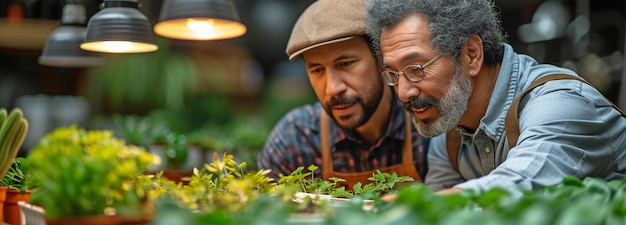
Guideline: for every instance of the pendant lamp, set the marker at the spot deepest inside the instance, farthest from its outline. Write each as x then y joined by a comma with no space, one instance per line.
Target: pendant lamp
62,48
119,28
199,20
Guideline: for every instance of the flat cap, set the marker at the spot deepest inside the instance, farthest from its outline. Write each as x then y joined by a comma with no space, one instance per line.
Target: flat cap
325,22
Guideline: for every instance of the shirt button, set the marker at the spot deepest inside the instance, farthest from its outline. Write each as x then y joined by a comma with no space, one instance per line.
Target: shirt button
488,149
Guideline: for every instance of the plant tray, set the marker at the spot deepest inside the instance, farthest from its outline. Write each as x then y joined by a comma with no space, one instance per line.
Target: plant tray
301,197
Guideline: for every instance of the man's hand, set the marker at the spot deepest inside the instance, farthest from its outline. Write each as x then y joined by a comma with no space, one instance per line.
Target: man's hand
389,197
449,191
393,197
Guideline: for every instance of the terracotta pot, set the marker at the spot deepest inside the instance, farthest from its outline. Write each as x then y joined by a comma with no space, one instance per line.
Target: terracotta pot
36,215
99,220
3,196
11,211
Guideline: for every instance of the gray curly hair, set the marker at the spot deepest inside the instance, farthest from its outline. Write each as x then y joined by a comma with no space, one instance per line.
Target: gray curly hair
451,22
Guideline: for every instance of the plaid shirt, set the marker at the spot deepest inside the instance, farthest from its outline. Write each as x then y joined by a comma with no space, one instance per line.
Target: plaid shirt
295,141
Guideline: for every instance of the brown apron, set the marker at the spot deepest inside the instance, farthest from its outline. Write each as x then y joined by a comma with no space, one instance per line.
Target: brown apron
406,168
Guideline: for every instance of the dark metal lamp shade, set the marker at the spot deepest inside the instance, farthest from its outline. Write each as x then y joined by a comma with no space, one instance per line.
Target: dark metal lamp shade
199,20
62,48
119,28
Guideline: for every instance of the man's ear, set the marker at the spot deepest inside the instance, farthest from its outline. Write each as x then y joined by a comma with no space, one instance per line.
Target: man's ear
474,53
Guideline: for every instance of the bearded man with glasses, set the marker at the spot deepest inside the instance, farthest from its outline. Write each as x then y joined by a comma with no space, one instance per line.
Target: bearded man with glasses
497,118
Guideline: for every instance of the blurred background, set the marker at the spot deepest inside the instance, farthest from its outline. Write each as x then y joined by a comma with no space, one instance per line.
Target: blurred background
227,94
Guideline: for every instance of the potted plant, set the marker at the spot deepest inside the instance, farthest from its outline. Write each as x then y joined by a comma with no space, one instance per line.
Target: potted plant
89,177
19,187
174,149
13,130
18,177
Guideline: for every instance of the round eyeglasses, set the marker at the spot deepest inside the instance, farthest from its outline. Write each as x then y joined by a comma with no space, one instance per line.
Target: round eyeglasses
413,72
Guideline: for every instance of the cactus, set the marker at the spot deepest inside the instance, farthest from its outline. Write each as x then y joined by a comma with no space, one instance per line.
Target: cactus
13,129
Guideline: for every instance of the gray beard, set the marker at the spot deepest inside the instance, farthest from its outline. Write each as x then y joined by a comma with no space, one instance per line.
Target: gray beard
451,107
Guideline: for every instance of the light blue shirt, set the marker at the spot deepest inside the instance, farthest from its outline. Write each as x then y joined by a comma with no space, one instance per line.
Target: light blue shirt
567,128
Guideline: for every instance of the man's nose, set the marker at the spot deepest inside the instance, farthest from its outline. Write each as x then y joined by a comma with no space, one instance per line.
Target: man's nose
335,84
406,89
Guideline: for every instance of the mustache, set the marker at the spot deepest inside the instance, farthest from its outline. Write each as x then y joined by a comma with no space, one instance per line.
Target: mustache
342,100
420,103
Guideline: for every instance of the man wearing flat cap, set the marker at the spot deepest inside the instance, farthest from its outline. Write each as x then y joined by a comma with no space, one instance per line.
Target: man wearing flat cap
358,125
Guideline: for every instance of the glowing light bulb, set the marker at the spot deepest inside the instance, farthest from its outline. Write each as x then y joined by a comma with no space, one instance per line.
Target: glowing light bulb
202,28
117,46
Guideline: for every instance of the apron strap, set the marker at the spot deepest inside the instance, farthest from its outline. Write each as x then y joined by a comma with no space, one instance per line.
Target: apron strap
407,147
453,140
327,159
511,124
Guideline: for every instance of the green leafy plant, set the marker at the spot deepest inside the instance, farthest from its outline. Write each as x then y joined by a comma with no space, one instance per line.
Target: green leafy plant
176,150
139,130
220,185
223,194
307,182
18,177
381,183
82,172
151,131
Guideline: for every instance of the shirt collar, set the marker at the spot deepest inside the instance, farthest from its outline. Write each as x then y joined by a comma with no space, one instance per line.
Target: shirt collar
502,96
